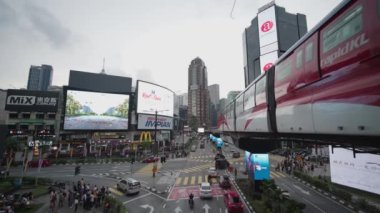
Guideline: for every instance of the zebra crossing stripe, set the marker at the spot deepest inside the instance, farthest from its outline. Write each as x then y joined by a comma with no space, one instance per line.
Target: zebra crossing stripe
185,181
115,191
192,182
199,179
178,180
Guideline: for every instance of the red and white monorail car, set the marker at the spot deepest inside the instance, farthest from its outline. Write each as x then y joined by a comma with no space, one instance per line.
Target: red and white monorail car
328,83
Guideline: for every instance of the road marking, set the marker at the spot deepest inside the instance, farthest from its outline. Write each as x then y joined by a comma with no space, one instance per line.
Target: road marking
199,179
315,206
178,180
301,190
141,196
115,191
192,182
186,180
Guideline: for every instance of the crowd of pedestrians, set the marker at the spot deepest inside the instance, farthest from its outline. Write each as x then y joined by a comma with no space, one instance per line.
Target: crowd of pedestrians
298,163
80,194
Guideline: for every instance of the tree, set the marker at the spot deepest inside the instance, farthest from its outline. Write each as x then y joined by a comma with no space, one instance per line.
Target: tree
11,146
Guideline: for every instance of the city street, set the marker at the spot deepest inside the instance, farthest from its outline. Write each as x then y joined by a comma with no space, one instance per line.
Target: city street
177,178
315,201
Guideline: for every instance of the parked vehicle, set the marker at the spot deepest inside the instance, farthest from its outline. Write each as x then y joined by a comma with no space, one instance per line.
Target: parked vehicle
129,186
205,190
151,159
233,202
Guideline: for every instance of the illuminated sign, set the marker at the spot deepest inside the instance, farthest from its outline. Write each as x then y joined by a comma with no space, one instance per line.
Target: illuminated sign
145,137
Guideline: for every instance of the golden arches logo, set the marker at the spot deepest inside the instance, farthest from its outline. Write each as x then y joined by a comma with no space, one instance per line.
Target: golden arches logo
145,137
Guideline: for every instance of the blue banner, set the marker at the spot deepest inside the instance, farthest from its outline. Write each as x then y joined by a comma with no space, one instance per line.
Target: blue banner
258,166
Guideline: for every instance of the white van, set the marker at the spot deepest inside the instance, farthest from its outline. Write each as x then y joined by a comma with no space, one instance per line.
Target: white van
129,186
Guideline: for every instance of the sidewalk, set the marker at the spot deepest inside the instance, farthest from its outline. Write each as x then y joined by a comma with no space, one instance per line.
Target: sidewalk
65,209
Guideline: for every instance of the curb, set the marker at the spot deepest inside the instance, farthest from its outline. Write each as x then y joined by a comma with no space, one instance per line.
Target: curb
250,209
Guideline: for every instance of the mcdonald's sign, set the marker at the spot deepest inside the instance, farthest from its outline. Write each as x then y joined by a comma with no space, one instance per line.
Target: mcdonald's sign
145,137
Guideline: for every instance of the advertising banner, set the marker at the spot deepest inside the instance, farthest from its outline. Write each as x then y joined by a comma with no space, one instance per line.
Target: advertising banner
148,122
267,27
267,61
257,166
361,172
152,98
95,111
31,101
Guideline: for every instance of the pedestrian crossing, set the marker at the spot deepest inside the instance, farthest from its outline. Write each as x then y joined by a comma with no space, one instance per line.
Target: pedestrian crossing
193,180
110,174
208,156
232,161
197,168
277,175
148,169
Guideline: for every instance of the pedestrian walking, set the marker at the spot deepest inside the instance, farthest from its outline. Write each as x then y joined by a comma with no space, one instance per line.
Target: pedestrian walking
76,203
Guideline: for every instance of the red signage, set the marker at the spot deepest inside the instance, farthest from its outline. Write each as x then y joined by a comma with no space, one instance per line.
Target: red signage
183,192
267,66
266,26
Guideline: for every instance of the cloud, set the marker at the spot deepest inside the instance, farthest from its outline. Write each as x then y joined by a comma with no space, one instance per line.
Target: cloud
8,16
47,24
145,75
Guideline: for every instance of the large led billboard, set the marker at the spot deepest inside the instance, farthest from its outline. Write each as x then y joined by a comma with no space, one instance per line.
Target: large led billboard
152,98
361,172
257,166
95,111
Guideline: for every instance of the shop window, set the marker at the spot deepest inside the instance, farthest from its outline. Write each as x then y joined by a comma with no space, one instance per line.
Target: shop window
40,116
13,115
26,115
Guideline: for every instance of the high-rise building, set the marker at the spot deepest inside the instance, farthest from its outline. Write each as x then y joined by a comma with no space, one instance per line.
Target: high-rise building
198,96
40,77
213,91
231,96
222,104
272,32
183,99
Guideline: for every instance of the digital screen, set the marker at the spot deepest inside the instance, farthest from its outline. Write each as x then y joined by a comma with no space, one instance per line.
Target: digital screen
257,166
361,172
152,98
96,111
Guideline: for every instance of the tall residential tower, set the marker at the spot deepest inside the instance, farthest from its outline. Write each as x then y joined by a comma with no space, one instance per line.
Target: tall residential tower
40,77
198,96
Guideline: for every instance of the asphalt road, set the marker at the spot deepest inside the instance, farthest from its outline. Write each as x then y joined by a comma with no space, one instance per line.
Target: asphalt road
315,201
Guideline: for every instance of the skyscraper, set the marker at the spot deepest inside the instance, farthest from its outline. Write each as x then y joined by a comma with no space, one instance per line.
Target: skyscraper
40,77
272,32
214,104
198,95
231,95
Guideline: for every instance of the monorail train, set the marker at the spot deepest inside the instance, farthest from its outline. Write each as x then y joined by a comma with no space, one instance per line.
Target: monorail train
325,86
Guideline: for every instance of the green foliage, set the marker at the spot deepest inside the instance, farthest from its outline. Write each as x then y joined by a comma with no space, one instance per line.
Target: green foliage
116,205
72,106
5,186
13,143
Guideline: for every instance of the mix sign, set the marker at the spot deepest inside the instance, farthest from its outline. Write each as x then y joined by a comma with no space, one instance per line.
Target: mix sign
31,101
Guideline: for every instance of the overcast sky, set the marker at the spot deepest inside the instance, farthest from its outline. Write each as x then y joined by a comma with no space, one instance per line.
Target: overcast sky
152,40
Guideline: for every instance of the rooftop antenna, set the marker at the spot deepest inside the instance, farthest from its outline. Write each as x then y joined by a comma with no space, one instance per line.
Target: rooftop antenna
103,71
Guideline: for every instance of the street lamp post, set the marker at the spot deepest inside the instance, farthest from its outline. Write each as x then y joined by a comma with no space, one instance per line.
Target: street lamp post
155,133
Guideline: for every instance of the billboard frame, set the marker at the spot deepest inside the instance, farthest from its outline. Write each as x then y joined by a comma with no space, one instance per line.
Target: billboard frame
137,98
65,88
